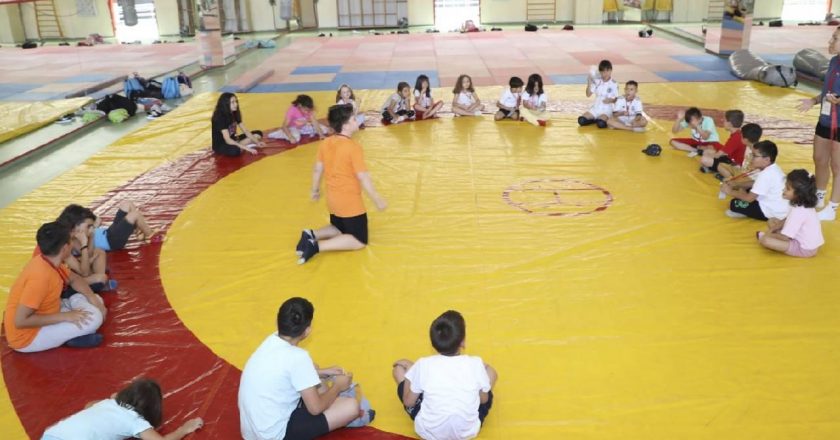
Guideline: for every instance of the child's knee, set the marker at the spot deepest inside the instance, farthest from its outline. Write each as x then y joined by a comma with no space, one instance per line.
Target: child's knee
127,206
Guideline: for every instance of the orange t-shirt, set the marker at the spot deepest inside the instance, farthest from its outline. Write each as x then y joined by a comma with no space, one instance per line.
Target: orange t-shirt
38,287
343,159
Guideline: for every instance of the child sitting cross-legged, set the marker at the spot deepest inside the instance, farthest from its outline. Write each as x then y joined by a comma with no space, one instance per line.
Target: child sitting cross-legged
800,234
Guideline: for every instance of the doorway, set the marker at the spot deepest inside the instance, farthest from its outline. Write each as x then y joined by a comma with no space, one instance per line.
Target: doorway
805,10
135,20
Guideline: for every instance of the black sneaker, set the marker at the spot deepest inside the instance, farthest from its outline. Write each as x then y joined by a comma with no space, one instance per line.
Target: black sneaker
305,235
719,176
310,248
705,170
85,341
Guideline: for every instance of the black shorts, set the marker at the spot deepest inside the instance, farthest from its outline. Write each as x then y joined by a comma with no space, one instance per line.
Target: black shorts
507,113
230,150
386,115
355,226
304,426
750,209
483,408
119,232
720,160
825,132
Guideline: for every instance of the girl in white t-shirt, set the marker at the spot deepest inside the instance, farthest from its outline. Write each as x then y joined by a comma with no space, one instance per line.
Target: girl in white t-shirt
534,107
345,96
800,233
465,102
424,106
131,413
396,108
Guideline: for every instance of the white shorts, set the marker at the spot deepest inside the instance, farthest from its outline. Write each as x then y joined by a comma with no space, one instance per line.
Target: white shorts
599,110
296,133
627,120
55,335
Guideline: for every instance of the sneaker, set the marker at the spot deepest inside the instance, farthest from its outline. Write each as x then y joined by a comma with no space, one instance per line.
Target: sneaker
639,129
66,119
85,341
719,176
305,235
601,123
828,214
153,115
310,248
111,285
692,153
732,214
820,199
705,170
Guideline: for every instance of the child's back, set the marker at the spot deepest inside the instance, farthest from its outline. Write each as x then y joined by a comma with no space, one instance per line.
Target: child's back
343,159
450,387
106,418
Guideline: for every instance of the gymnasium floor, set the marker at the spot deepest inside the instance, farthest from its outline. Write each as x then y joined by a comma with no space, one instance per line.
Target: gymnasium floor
607,287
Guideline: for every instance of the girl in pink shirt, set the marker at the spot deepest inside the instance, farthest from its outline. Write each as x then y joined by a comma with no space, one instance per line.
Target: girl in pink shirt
300,121
800,234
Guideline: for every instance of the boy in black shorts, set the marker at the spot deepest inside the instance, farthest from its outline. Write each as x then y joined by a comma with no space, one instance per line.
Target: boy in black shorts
342,160
127,220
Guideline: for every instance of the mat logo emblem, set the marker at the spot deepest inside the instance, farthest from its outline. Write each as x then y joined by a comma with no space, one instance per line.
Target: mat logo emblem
557,197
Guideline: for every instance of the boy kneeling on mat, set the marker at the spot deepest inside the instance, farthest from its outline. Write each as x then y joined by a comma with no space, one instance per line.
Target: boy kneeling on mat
342,160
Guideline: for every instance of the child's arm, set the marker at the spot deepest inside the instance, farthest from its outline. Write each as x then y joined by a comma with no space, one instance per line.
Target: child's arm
317,171
187,428
80,285
318,403
455,103
367,184
588,86
775,225
229,140
392,109
739,194
251,136
409,397
477,100
493,376
678,123
26,317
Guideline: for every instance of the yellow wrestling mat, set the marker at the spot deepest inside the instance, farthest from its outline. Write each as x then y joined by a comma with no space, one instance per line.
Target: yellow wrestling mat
17,118
607,287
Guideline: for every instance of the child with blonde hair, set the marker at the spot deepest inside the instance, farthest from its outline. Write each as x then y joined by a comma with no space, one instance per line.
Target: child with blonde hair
424,106
465,102
345,96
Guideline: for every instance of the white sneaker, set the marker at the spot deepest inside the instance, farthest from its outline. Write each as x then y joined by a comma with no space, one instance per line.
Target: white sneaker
828,214
639,129
820,199
692,153
732,214
478,112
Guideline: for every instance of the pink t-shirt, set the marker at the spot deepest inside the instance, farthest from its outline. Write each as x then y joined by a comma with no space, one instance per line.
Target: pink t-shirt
803,226
295,117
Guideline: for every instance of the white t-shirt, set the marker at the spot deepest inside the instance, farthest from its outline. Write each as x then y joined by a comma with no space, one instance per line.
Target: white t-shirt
535,100
450,387
631,108
349,101
466,98
270,387
769,186
397,99
423,100
509,99
603,90
105,420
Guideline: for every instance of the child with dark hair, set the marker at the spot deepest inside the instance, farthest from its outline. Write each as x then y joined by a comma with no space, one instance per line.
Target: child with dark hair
448,395
128,220
750,135
86,260
535,102
134,412
279,390
424,106
37,318
628,112
396,108
800,234
227,118
764,200
509,101
731,152
465,102
341,159
605,90
703,132
300,121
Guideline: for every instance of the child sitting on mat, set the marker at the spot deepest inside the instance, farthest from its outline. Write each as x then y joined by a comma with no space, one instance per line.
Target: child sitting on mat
134,412
729,172
300,121
465,102
345,96
800,234
227,118
424,106
628,112
605,90
86,259
510,100
731,152
396,107
340,158
448,395
703,132
764,200
535,102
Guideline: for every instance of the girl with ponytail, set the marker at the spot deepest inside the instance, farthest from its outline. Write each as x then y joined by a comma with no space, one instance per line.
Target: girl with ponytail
800,234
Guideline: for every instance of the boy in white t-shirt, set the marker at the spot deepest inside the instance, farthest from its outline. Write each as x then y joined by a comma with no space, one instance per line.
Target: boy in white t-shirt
447,395
279,394
628,113
605,90
764,200
509,101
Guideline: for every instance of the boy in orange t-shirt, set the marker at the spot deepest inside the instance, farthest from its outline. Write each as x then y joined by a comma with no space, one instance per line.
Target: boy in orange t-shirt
38,317
341,162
